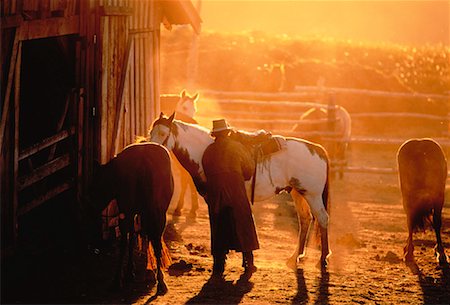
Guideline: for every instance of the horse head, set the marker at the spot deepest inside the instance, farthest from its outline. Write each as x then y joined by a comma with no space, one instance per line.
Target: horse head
187,104
163,130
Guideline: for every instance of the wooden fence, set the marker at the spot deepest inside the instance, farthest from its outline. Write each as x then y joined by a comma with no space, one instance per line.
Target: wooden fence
279,112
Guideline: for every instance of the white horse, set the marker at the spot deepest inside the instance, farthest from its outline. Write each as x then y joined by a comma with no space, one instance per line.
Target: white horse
318,116
301,167
185,110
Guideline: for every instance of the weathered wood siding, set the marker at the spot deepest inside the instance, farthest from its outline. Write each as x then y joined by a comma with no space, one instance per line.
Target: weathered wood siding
129,34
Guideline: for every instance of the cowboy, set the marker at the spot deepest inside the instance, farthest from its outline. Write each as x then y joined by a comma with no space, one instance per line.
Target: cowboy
227,164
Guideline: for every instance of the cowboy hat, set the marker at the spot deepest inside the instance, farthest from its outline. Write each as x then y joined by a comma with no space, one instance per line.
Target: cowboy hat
220,125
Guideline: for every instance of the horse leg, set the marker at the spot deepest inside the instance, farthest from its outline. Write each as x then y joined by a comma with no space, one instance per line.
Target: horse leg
118,278
326,252
194,199
130,265
408,250
439,249
318,210
305,221
161,287
183,186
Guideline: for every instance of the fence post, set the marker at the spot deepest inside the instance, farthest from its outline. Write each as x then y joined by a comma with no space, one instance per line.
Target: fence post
331,128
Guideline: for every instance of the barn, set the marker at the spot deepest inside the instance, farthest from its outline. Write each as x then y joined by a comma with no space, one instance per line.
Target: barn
80,79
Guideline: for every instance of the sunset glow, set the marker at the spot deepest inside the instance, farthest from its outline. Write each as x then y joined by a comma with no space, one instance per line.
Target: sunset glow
410,22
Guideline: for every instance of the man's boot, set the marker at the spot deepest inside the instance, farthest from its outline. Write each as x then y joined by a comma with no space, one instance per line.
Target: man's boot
218,265
248,264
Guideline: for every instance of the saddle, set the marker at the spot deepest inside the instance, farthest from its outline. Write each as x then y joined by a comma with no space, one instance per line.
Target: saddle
260,142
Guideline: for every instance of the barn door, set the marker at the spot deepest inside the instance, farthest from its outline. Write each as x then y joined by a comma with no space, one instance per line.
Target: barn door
47,165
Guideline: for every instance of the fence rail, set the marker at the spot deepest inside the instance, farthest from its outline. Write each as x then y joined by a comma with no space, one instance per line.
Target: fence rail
281,111
307,91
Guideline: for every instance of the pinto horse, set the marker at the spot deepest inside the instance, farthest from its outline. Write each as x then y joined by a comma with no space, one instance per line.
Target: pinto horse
140,179
301,167
318,117
423,174
185,110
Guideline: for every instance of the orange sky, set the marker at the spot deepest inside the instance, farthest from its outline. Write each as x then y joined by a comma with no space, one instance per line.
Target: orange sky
404,22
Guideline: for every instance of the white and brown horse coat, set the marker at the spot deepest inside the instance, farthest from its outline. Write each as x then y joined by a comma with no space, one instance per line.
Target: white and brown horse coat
423,173
301,166
185,110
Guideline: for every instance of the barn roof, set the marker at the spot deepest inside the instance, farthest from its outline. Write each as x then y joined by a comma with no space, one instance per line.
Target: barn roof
180,12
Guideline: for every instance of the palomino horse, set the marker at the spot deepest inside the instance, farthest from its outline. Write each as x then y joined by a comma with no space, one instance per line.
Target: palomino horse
423,174
301,166
185,111
140,179
317,116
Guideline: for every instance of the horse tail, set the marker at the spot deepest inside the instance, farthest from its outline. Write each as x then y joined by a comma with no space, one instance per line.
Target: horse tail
326,203
326,189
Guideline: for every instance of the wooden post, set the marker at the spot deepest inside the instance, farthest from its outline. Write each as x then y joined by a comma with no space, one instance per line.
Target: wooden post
192,65
120,98
44,9
16,140
331,127
7,101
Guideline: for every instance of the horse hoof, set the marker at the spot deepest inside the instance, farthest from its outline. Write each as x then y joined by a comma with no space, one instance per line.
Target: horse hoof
442,259
176,213
292,263
162,289
116,285
150,277
409,258
131,276
412,265
323,264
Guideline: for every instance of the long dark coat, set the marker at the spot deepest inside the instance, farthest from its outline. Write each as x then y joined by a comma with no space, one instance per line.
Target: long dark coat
227,164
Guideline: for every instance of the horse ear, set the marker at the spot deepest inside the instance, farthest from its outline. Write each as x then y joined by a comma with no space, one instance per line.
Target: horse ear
195,97
172,117
183,93
161,115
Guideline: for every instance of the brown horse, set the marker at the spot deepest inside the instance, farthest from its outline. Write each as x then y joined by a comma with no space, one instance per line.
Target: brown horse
423,173
141,181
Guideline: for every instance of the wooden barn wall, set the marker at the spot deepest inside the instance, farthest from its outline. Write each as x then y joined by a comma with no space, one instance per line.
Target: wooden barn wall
130,72
21,22
33,9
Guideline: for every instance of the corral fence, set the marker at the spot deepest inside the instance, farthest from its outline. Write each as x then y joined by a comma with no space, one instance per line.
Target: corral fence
399,116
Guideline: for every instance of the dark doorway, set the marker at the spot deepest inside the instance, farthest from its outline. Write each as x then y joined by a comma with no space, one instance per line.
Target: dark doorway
47,176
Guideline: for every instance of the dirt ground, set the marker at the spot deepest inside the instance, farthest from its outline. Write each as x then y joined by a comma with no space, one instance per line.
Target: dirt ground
367,235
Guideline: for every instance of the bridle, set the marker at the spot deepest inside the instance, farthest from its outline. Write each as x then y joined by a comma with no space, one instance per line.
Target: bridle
164,143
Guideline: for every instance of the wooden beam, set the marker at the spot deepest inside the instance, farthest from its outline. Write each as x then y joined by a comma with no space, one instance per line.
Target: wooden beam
47,196
44,9
43,171
110,10
7,101
60,123
46,143
13,21
120,99
50,27
16,139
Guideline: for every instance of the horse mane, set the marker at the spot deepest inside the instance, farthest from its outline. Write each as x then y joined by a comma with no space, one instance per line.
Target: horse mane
197,128
140,139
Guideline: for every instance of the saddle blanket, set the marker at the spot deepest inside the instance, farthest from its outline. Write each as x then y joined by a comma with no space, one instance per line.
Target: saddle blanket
271,146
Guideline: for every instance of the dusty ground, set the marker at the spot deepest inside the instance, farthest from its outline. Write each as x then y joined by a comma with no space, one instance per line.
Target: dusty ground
367,237
367,234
